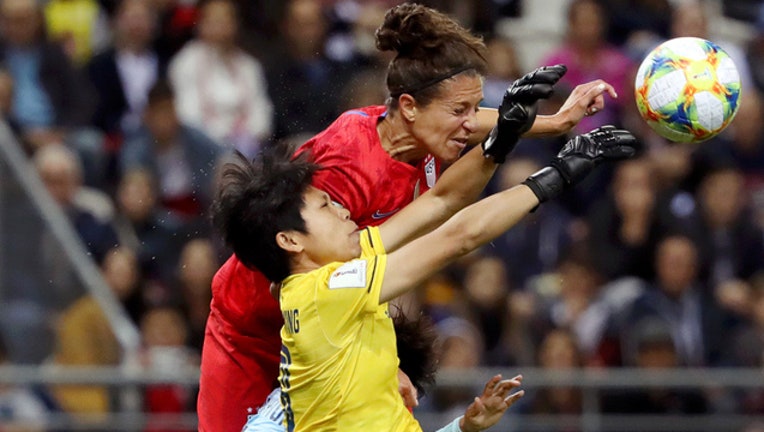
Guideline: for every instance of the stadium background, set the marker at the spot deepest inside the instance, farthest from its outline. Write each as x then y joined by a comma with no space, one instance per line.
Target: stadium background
577,297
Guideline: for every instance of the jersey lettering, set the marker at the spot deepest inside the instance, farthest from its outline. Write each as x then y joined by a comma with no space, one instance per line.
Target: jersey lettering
292,320
286,402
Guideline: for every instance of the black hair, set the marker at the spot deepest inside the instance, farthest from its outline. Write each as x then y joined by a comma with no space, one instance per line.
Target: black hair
256,200
415,341
161,91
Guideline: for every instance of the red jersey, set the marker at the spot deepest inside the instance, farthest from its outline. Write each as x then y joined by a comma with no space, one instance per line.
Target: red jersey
240,357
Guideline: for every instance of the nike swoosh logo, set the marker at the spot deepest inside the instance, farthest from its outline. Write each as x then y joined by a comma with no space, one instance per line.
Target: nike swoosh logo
378,215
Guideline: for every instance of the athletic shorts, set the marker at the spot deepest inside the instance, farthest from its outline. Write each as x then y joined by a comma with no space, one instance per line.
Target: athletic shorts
269,417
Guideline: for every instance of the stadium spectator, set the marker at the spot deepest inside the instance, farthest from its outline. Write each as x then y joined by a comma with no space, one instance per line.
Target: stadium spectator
51,99
486,289
124,74
679,299
558,352
61,172
533,246
22,408
219,88
165,335
588,55
729,241
177,25
85,337
156,234
196,267
690,19
240,360
570,301
305,85
629,222
81,27
181,157
503,68
654,347
742,146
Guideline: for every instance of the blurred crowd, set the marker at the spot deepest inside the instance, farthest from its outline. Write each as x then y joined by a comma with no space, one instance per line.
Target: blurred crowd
127,109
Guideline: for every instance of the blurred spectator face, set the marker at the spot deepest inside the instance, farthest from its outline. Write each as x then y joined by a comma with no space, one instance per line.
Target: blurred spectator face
579,281
657,355
486,283
748,126
135,23
136,196
586,24
162,120
722,197
633,187
218,24
197,263
370,17
462,345
676,265
304,27
120,271
60,171
163,327
20,21
689,19
502,59
558,350
672,163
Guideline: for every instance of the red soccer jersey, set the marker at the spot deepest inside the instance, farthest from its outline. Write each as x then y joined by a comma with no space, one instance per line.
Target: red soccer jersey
240,357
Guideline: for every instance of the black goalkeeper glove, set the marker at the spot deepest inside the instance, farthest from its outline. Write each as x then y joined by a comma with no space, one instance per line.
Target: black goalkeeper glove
578,158
518,110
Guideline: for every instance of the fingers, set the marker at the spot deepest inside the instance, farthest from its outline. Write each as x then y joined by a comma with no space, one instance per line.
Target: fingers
514,397
505,386
593,95
491,384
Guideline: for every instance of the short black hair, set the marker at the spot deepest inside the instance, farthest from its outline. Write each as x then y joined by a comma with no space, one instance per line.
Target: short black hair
256,200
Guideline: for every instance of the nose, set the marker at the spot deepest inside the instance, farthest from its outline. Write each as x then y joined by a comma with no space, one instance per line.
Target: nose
343,213
471,122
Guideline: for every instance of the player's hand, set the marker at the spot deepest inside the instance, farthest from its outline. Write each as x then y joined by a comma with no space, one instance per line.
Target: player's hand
487,409
517,111
579,157
407,390
585,100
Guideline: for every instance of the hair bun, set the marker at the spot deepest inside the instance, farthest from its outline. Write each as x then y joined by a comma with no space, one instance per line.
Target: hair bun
409,30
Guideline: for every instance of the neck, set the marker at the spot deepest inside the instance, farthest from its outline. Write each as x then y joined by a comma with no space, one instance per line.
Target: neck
397,140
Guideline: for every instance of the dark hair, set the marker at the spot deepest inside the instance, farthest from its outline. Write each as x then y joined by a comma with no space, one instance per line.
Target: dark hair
431,47
257,200
161,91
415,341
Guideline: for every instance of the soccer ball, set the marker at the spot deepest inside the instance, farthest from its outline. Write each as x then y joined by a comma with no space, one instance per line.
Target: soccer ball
687,89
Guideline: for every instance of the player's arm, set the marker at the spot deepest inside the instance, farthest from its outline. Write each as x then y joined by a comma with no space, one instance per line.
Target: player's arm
585,99
462,183
485,220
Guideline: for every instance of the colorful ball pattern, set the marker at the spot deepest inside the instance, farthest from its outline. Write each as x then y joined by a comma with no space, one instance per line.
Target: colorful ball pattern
687,89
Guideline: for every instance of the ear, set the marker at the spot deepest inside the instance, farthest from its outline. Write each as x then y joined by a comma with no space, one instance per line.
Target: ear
407,107
288,241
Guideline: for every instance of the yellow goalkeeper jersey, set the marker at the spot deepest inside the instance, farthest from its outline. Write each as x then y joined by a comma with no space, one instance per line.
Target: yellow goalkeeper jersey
339,360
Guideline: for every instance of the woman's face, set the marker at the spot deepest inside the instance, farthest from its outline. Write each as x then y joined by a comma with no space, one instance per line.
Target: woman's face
443,127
